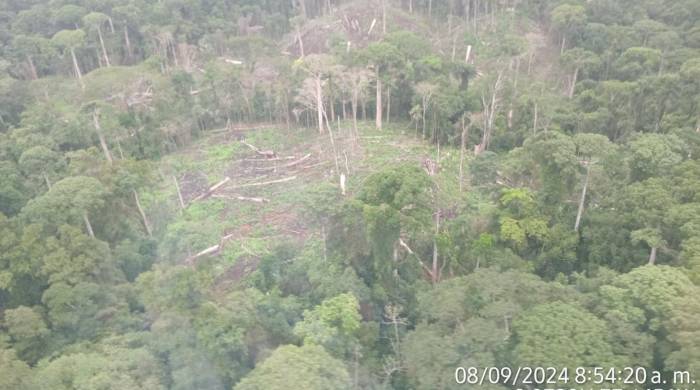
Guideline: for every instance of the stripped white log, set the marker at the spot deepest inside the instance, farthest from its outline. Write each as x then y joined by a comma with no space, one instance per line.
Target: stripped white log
213,189
289,165
269,159
264,183
211,249
266,153
244,198
374,21
410,251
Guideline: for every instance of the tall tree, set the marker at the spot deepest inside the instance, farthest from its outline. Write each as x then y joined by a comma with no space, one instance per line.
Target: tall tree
43,163
568,19
308,367
638,306
94,21
578,60
318,66
355,81
592,150
382,56
15,374
648,204
69,201
71,40
333,324
562,335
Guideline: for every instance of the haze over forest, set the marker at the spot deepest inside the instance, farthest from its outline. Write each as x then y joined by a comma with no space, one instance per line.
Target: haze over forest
347,194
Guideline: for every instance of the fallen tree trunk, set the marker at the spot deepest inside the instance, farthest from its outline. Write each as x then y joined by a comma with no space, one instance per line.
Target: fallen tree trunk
269,159
264,183
212,189
253,199
211,250
289,165
266,153
318,164
244,198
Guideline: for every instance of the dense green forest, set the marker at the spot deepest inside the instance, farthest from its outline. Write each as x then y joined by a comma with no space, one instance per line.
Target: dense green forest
346,194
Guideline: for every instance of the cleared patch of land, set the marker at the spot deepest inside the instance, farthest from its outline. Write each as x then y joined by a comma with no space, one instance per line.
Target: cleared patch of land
253,187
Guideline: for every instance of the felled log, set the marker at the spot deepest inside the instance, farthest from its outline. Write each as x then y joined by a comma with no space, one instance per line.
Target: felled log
211,250
253,199
371,27
212,189
288,165
264,183
244,198
265,153
269,159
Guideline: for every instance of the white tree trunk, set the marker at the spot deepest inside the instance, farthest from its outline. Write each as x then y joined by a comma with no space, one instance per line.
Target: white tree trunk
46,179
301,42
129,52
461,155
652,256
383,16
435,272
582,201
563,44
388,104
319,104
32,69
143,214
534,121
103,142
88,225
119,149
425,111
335,151
353,103
104,49
179,193
572,87
378,118
76,67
